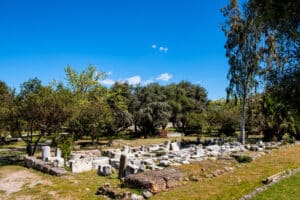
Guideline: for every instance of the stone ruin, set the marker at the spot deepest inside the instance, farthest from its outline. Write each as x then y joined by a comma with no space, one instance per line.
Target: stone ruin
148,167
48,164
131,160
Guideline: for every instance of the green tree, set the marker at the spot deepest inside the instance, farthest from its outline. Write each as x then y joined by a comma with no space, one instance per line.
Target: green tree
40,111
86,80
153,116
279,26
118,100
223,116
91,113
149,107
186,100
7,98
243,54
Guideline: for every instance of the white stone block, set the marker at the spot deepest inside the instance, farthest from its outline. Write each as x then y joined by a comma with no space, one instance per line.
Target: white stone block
82,165
46,153
104,169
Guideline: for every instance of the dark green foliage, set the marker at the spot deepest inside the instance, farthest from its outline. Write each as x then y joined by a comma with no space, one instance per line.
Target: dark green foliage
195,123
223,117
155,115
263,41
188,104
243,158
228,128
65,143
39,111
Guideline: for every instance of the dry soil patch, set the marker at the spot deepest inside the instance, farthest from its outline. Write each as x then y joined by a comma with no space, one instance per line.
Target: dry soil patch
13,180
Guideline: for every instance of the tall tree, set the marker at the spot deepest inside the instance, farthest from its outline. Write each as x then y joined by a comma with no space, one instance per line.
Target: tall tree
153,116
40,111
118,100
279,24
187,101
89,108
86,80
242,52
7,98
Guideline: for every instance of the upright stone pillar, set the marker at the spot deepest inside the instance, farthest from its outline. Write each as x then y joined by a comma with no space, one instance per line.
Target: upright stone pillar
58,153
167,145
45,153
123,163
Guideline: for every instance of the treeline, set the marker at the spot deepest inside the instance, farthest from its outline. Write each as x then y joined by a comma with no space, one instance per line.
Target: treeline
84,107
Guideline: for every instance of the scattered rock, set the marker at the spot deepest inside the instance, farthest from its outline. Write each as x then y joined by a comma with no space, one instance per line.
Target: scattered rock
208,175
146,194
136,197
228,169
194,178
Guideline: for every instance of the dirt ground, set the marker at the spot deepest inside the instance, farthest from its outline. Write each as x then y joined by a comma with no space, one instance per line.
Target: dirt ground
12,180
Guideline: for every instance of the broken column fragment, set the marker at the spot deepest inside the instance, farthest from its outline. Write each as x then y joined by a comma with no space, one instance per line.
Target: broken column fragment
123,164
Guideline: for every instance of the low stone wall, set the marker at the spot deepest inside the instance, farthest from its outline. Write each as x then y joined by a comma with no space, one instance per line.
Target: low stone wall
270,181
34,163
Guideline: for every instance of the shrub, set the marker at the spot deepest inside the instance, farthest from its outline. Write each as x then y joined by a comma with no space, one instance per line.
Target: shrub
65,144
288,139
242,158
227,128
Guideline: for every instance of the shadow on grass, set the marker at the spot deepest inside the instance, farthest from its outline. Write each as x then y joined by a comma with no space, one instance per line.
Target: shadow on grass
12,156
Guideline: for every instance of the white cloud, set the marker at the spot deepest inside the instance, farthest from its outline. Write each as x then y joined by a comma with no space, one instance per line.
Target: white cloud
154,46
134,80
109,73
164,77
163,49
107,81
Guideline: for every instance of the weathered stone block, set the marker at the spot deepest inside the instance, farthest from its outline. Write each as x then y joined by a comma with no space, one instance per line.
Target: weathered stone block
156,181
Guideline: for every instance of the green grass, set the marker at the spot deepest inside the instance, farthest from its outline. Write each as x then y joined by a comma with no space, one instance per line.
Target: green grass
243,180
287,189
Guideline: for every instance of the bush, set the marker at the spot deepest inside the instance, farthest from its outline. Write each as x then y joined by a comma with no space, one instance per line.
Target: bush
227,128
287,139
209,130
242,158
65,144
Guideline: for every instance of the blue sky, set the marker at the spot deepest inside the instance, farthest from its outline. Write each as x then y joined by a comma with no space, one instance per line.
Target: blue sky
140,41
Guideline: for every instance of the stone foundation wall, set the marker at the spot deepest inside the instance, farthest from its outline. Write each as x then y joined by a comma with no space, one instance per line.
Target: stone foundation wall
34,163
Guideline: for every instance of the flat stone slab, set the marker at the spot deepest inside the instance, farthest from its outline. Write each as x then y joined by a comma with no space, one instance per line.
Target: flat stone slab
156,181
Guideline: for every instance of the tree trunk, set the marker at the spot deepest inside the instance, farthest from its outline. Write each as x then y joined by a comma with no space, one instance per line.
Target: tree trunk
36,143
135,128
93,139
242,134
97,142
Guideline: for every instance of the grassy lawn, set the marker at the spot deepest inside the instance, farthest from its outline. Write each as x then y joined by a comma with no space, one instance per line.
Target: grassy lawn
242,180
288,189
